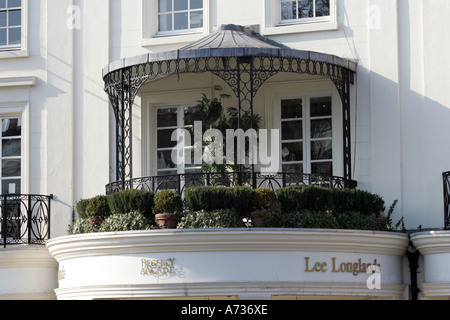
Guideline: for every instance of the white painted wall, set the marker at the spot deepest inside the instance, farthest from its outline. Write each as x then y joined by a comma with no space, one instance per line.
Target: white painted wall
400,136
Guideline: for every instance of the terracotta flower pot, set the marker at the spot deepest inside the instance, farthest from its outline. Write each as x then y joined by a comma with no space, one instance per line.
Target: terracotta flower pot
166,220
257,217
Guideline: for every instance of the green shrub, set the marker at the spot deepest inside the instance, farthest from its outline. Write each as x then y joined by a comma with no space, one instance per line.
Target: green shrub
82,226
221,218
320,199
206,198
210,198
345,200
98,207
299,198
264,198
301,219
168,201
357,221
81,208
125,222
132,200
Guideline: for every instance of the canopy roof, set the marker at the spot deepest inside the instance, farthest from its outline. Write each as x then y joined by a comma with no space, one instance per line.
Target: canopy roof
231,41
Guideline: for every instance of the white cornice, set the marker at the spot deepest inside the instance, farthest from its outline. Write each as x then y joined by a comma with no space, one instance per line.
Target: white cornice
432,242
18,82
223,240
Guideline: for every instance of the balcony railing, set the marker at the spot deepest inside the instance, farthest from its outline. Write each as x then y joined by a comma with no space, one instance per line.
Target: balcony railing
24,219
446,178
180,182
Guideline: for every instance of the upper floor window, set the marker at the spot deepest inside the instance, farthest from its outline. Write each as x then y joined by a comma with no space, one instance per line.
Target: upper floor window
304,11
10,24
178,16
11,155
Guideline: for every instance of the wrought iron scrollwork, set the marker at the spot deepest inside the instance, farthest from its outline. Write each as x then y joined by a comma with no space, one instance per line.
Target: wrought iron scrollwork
274,181
244,75
24,219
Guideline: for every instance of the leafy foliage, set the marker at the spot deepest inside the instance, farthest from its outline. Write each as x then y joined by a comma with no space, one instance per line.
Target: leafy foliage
98,207
132,200
134,220
210,198
221,218
168,201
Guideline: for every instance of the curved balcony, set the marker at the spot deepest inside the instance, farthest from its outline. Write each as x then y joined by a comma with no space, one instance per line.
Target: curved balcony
179,182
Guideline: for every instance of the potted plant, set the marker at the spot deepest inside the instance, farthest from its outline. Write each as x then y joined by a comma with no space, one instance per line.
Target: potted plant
264,202
168,207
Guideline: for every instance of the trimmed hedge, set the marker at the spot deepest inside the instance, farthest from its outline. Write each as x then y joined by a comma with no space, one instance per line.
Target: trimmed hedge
168,201
132,200
81,208
98,207
318,199
209,198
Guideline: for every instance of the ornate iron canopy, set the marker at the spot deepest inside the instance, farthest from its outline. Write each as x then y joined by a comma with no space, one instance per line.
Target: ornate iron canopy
242,58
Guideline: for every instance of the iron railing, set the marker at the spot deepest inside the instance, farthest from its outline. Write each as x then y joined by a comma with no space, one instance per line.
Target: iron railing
446,179
179,182
24,219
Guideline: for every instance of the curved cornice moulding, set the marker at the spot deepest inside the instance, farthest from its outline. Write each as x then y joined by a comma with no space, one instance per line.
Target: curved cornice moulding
222,240
432,242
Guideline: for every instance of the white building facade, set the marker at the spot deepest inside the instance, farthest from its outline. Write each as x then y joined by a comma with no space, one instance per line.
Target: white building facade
386,129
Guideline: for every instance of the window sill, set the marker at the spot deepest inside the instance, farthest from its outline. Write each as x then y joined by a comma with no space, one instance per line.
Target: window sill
301,28
171,39
13,54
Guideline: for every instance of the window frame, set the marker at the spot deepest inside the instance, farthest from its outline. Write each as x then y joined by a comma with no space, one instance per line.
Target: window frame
173,12
275,26
23,31
20,110
301,20
307,89
180,169
151,36
2,157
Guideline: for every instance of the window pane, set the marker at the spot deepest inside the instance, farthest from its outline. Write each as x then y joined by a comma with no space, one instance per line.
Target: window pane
2,4
11,148
288,10
322,8
293,168
196,4
165,160
14,3
321,128
11,186
181,21
2,37
11,168
196,19
167,118
321,150
11,127
291,130
292,151
291,109
165,5
165,22
14,18
321,107
305,9
325,168
3,19
165,139
180,5
15,36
